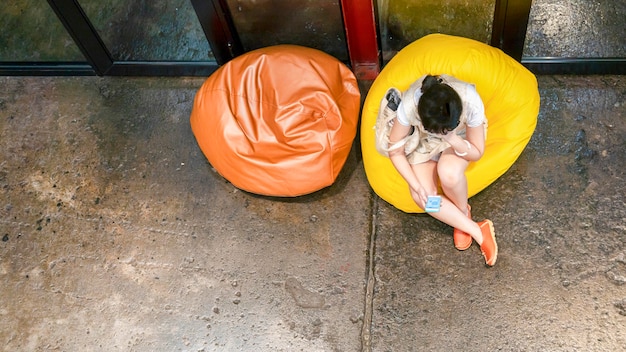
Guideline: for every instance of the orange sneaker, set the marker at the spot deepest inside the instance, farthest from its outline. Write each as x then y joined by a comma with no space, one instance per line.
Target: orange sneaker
489,247
462,240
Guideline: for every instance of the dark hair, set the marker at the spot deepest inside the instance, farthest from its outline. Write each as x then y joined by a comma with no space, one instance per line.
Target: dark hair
439,107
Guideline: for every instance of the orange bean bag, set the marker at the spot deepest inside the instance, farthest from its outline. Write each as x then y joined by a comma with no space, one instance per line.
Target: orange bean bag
508,90
278,121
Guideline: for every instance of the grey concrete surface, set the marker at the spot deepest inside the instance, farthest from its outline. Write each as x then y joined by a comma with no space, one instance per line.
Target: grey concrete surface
117,235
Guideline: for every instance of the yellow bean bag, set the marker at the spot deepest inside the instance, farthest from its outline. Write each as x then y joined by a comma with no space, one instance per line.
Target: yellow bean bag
508,90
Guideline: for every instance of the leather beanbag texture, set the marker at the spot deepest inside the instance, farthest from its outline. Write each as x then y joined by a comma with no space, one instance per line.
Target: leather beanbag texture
508,90
278,121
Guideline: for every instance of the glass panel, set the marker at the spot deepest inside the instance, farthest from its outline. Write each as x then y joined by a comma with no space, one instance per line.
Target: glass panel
312,23
157,30
30,31
576,28
403,21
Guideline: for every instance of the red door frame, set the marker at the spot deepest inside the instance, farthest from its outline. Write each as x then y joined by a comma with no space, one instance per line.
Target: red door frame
360,24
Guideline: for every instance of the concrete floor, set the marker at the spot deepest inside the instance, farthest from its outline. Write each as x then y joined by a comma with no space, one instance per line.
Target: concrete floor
117,235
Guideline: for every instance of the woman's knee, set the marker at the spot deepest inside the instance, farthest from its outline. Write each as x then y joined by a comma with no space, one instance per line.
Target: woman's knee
450,176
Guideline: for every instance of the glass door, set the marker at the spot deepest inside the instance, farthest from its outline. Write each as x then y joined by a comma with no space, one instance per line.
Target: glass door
312,23
31,35
577,36
404,21
195,37
108,37
157,30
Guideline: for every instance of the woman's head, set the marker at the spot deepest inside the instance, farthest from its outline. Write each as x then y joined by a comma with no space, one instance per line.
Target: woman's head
439,107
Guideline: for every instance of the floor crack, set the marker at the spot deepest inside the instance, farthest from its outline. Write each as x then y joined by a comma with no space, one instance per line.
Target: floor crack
366,330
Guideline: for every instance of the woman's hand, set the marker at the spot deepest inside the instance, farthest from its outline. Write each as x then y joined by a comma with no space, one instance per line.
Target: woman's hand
452,138
470,149
461,147
419,195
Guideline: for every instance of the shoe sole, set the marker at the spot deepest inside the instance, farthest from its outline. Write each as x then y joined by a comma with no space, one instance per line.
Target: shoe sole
492,232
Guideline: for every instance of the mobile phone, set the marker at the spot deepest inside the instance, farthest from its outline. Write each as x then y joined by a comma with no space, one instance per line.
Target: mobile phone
433,204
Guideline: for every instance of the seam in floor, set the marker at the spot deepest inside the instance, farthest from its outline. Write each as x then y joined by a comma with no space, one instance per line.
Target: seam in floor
366,331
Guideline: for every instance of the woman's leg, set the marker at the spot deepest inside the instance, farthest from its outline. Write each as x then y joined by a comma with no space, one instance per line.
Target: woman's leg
426,174
451,171
449,213
454,184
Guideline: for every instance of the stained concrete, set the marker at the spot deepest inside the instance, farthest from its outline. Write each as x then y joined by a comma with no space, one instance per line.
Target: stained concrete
117,235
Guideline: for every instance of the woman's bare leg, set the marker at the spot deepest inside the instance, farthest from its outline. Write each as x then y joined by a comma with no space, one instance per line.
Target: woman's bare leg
451,171
449,212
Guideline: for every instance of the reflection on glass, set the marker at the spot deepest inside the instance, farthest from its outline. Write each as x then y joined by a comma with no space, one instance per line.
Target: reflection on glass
403,21
316,24
30,31
158,30
576,28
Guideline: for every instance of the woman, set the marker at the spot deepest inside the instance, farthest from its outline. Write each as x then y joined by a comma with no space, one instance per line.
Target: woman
436,128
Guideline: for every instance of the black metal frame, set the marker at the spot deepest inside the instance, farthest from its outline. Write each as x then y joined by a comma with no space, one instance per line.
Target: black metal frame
84,34
508,34
510,20
219,29
8,68
575,66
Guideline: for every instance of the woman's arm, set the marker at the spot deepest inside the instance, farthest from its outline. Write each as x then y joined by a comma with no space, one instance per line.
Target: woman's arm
470,149
401,163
